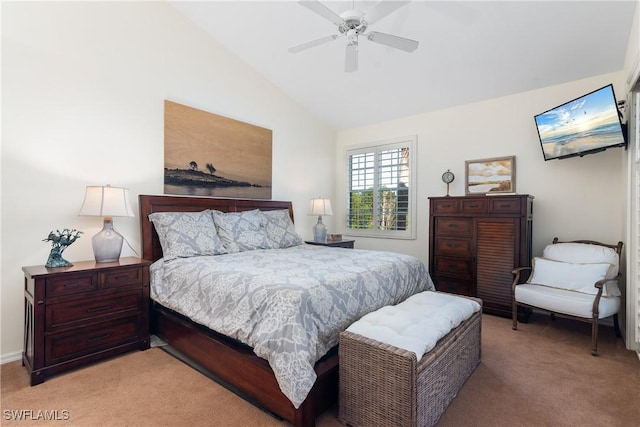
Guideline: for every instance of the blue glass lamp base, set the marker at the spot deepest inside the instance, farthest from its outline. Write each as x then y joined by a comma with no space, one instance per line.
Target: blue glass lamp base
320,232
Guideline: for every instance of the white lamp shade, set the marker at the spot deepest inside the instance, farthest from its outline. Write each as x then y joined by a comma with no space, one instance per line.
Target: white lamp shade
320,207
106,201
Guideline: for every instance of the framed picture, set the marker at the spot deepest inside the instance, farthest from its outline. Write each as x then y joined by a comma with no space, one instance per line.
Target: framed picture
491,176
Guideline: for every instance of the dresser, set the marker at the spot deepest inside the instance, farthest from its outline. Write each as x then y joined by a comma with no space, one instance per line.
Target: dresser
83,313
476,241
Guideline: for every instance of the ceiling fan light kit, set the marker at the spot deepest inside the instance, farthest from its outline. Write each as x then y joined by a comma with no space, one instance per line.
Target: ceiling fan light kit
352,24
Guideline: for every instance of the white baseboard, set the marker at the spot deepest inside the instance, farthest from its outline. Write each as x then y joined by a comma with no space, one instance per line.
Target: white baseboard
10,357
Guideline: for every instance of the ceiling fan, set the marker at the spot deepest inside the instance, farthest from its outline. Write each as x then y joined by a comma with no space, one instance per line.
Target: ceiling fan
353,24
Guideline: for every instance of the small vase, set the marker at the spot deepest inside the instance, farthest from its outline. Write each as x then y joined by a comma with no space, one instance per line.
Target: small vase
55,259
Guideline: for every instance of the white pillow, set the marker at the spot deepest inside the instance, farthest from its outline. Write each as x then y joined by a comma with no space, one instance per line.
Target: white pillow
567,275
584,254
588,254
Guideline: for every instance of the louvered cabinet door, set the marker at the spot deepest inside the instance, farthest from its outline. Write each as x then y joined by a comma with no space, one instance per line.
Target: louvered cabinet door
496,247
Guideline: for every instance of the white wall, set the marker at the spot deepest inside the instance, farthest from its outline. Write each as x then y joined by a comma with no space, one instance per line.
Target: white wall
574,198
83,85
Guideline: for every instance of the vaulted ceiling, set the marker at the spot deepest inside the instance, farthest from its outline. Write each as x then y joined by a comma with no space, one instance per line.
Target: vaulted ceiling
469,51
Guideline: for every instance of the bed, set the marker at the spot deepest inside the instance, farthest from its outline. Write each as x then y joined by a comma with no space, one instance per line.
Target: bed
235,359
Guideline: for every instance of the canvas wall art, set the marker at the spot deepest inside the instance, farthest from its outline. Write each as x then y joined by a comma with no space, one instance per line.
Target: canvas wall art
491,176
210,155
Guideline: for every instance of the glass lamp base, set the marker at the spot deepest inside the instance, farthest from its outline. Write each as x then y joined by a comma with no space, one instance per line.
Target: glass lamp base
320,232
107,244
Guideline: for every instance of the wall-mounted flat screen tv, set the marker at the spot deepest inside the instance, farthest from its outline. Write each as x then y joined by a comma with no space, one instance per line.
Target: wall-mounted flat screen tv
586,125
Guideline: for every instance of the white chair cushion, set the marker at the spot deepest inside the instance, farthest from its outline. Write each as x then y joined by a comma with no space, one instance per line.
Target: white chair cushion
567,275
565,301
582,253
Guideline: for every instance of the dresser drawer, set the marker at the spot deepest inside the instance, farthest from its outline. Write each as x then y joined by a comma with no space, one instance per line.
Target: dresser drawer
446,206
504,206
453,267
473,206
70,313
121,277
70,284
453,246
447,284
452,226
82,341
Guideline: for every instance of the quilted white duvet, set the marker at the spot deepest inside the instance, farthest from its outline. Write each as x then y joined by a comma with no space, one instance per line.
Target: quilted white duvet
290,304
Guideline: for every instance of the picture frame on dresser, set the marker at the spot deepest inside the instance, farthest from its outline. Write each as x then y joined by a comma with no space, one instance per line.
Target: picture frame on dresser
490,176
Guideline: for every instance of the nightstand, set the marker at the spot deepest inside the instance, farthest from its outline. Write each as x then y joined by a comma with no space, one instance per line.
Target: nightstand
333,243
83,313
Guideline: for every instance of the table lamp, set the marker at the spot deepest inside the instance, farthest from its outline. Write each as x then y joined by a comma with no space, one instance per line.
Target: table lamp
320,207
106,201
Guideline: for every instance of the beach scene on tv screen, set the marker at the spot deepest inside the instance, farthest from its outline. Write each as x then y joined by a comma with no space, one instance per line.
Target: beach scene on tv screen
587,123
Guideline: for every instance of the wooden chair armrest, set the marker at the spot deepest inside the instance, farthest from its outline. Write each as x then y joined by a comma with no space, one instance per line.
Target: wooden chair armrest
600,283
516,279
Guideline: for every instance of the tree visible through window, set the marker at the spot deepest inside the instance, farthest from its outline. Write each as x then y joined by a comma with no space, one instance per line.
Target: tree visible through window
380,188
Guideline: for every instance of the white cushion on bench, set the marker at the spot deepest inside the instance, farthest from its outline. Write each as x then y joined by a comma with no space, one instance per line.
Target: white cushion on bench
566,302
417,323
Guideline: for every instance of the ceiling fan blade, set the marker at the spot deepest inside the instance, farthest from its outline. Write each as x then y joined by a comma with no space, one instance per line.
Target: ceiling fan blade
312,43
401,43
322,10
383,9
351,57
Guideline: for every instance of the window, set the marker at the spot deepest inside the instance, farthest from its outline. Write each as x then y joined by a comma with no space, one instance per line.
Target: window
381,189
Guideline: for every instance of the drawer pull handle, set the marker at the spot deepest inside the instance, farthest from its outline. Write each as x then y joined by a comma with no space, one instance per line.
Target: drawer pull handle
452,226
504,205
123,276
99,308
72,285
475,205
452,266
453,245
99,337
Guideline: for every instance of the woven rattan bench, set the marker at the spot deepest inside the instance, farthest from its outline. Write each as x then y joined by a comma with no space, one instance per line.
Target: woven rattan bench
382,385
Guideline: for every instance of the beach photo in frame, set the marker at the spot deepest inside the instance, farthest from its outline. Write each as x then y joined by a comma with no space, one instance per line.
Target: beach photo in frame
490,176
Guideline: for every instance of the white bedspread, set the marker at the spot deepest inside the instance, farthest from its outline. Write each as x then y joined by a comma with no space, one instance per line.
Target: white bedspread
417,323
289,305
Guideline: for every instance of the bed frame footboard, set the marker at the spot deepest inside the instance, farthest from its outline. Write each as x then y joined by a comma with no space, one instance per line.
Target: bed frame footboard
237,365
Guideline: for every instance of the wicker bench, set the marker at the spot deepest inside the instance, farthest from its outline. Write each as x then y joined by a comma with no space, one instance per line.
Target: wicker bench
383,385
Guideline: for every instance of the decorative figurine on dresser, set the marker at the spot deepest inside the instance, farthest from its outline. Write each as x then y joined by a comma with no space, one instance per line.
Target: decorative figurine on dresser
476,241
83,313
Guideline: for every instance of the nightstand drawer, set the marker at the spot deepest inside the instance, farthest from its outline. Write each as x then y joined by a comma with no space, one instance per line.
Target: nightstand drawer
65,314
82,341
71,284
121,277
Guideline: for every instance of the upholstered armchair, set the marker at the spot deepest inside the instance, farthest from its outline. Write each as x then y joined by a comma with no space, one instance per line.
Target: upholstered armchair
576,279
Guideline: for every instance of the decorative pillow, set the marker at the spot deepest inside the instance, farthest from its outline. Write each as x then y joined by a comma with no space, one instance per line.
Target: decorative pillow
567,275
242,231
280,229
587,254
187,234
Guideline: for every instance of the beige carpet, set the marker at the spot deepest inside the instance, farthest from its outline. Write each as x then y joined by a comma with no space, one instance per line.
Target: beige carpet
541,375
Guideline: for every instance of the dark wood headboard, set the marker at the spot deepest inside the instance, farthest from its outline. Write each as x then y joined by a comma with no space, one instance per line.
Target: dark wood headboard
151,249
